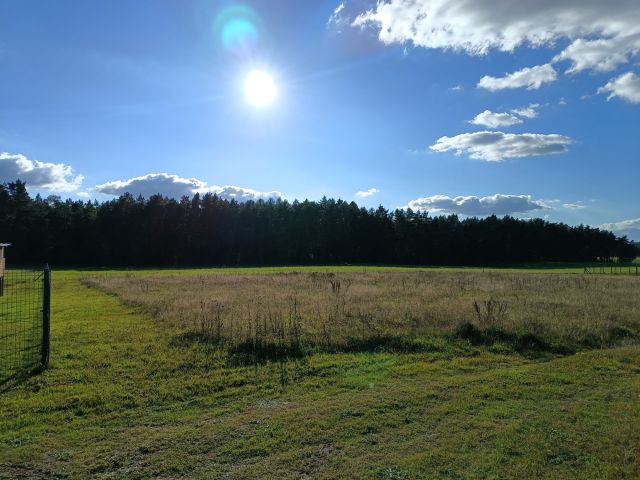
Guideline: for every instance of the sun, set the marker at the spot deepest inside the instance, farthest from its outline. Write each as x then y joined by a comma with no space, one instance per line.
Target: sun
259,88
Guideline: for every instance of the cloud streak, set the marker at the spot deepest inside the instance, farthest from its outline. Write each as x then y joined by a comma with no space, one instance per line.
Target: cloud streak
499,146
474,206
626,87
624,225
176,187
367,193
530,78
527,112
600,55
55,177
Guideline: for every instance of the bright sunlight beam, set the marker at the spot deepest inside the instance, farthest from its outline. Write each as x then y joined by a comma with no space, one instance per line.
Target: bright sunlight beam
259,89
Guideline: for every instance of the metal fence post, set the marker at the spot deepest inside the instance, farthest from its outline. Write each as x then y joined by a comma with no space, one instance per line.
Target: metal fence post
46,316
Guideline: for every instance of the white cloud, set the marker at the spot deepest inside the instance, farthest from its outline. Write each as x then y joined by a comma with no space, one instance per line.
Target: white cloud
607,30
527,112
532,78
338,9
626,86
495,120
497,204
176,187
498,146
55,177
601,55
83,194
632,224
555,204
367,193
457,88
152,184
337,19
240,194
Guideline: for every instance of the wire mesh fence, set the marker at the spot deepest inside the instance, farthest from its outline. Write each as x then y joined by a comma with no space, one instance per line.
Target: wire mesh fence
613,269
24,322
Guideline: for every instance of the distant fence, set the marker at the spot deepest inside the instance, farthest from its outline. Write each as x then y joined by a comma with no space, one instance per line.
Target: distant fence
613,269
25,306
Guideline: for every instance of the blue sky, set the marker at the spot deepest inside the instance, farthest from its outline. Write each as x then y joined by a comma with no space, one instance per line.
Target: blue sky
97,98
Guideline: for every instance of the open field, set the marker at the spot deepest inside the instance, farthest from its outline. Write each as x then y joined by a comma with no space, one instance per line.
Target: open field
271,317
143,384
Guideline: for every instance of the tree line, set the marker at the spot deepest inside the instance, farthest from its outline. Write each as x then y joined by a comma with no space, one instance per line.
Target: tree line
208,230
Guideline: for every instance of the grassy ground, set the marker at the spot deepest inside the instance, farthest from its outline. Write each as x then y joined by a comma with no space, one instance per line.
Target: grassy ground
548,267
123,400
551,267
254,317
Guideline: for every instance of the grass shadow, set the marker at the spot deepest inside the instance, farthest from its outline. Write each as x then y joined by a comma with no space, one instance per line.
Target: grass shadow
260,352
530,345
388,344
251,352
188,338
11,381
526,344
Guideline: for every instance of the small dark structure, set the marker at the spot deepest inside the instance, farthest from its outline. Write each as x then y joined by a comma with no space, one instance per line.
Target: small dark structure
2,247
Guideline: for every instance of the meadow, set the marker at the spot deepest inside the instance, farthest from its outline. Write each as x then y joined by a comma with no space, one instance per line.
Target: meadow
286,315
332,373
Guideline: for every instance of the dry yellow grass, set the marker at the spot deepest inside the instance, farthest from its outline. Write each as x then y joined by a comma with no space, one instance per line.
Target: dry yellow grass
291,314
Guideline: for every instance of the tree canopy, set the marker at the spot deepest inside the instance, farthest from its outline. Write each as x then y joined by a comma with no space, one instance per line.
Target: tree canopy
208,230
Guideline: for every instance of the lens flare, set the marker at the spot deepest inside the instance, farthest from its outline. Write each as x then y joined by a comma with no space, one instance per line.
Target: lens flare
259,88
237,28
239,35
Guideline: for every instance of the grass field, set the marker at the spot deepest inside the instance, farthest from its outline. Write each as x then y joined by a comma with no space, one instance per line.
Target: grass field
549,267
295,314
130,394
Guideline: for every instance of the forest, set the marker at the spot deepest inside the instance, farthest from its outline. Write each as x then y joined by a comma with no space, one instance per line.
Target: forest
208,230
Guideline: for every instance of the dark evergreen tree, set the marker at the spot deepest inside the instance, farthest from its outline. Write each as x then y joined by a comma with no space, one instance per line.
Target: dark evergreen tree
207,230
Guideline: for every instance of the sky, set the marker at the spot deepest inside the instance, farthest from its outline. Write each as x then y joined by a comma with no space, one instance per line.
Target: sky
473,107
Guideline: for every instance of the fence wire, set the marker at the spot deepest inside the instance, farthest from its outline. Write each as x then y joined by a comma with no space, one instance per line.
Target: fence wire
21,322
614,269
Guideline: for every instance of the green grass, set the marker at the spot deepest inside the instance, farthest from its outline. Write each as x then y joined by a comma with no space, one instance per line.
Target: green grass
548,267
119,401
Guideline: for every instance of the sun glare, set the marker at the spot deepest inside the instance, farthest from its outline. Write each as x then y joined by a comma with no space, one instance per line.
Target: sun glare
259,88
